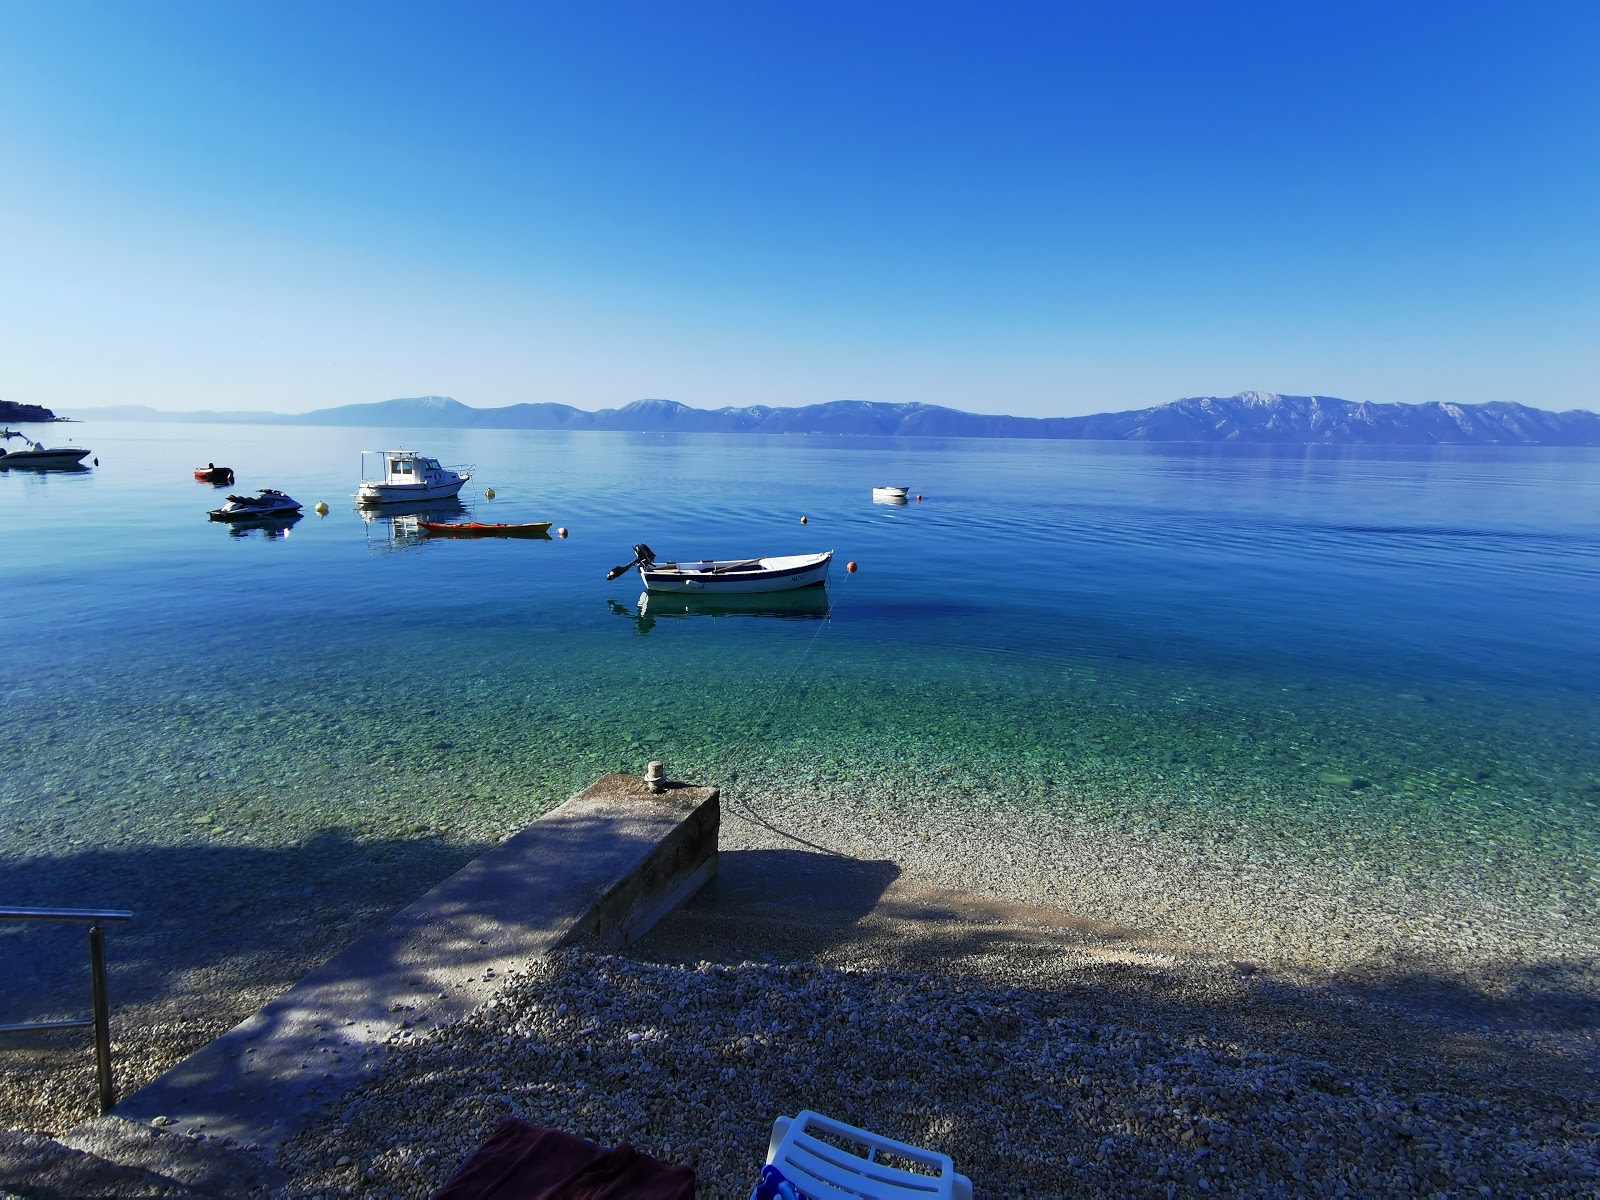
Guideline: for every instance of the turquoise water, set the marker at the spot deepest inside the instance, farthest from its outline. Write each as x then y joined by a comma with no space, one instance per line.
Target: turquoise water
1388,659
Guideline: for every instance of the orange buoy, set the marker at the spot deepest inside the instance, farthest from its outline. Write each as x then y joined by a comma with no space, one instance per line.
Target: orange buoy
802,520
562,532
919,497
851,567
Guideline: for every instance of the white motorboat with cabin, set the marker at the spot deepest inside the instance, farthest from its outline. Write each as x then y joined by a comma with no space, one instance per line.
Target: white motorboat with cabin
733,576
889,495
267,504
401,475
37,456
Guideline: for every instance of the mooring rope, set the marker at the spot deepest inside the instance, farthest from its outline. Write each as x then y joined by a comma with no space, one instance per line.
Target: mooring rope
761,728
756,730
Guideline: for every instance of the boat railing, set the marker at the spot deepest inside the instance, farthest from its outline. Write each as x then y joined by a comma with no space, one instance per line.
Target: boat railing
100,1022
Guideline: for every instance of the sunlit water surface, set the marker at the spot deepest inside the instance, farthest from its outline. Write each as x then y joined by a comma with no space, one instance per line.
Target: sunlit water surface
1388,658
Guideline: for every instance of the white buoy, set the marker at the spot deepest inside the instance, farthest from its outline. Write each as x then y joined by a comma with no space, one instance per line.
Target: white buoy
320,508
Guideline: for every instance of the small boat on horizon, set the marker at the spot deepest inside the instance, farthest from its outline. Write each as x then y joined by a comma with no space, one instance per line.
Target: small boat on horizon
270,502
890,495
404,475
211,473
534,529
728,576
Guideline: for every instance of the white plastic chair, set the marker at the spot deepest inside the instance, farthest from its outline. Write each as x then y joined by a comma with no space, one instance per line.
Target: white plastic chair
823,1171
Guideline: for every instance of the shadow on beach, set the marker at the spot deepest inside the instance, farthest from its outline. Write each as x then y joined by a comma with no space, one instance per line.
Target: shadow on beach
217,931
1523,1025
220,930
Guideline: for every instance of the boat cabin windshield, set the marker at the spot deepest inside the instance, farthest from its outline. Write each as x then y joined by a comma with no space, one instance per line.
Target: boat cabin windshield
400,467
413,466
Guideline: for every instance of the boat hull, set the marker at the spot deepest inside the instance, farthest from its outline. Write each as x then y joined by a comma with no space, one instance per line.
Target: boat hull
734,578
403,493
43,459
537,529
254,514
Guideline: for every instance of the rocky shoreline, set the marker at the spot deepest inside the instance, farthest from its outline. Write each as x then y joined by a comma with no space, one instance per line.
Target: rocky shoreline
10,410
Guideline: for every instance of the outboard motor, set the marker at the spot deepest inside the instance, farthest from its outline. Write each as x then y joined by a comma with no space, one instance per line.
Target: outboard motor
643,556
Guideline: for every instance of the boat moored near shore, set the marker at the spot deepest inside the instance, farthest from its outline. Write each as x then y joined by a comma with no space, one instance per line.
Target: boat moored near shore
532,529
728,576
404,475
269,502
38,457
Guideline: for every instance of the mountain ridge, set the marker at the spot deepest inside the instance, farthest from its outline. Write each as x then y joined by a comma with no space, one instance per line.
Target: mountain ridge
1246,417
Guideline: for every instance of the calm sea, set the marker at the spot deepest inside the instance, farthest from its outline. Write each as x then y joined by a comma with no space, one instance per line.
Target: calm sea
1389,656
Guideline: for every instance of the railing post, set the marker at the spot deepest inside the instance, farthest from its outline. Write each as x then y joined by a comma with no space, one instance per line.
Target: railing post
100,1023
102,1017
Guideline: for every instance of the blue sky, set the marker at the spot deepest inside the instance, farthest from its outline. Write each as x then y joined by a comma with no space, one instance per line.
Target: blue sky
1035,208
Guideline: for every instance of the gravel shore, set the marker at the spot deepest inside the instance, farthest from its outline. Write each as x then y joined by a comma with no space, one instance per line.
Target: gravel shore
1048,1054
1064,1014
1032,1091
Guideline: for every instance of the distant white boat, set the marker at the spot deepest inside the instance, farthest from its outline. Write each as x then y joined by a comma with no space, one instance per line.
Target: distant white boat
403,475
889,493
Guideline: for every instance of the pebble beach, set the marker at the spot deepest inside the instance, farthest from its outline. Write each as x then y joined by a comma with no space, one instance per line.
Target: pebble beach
1048,1056
1043,1019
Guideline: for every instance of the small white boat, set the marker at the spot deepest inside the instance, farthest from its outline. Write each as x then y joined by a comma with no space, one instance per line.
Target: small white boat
403,475
890,493
735,576
267,504
37,456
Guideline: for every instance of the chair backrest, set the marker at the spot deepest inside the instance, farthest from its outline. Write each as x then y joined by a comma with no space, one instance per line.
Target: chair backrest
824,1169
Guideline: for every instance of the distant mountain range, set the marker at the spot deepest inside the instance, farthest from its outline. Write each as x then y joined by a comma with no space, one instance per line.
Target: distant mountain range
1254,417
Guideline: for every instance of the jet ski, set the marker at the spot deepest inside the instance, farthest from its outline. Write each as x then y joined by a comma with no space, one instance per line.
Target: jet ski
269,503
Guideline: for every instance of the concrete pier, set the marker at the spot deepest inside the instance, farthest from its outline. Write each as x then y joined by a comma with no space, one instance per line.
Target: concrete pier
603,867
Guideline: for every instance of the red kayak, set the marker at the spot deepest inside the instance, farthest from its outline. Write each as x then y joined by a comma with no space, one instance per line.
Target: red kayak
214,474
473,529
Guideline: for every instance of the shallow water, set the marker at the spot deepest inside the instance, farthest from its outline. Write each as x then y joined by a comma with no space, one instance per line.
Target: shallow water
1381,659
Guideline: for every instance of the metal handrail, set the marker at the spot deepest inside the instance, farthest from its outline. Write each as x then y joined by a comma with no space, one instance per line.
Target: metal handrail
101,1021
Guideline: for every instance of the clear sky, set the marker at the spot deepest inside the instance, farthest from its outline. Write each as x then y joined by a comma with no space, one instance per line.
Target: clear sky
1037,208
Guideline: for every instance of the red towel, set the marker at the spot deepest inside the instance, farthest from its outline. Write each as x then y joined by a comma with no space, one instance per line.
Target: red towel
528,1162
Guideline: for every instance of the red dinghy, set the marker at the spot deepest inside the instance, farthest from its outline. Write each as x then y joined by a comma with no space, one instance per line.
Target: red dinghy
211,473
473,529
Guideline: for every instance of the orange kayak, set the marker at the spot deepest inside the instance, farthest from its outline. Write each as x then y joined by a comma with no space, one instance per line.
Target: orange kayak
473,529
